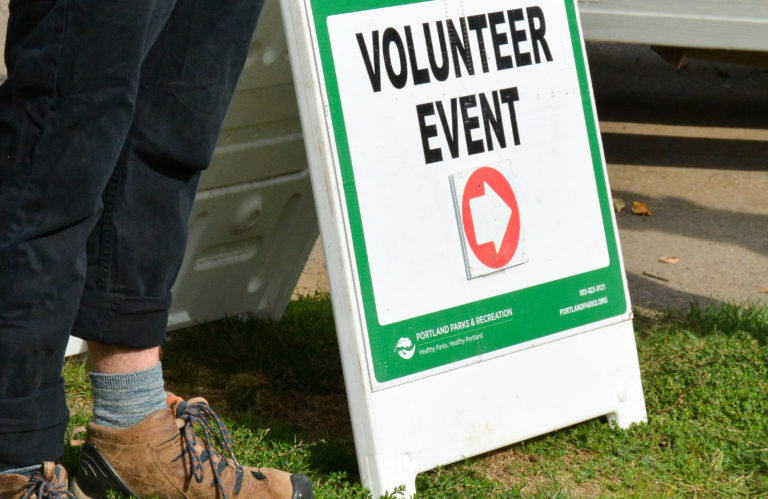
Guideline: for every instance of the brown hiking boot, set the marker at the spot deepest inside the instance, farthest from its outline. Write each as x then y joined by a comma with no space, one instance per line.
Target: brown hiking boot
50,482
160,456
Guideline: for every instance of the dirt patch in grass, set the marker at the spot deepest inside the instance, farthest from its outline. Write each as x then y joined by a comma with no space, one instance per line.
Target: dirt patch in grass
312,415
530,474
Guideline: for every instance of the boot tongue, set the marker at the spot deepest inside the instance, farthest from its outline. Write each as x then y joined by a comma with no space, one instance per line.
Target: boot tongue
179,409
48,472
176,404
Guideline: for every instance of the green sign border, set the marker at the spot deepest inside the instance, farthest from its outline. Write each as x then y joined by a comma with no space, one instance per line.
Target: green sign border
536,309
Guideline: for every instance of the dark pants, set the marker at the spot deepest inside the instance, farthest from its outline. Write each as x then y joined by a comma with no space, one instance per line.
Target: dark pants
111,110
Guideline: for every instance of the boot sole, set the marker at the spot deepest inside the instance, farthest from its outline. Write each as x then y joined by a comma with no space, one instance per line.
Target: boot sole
75,488
97,477
302,487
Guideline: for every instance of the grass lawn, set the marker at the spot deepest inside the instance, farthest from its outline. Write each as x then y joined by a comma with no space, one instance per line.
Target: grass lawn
279,387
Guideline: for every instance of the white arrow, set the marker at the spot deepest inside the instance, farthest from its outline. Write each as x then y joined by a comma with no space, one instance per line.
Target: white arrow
490,215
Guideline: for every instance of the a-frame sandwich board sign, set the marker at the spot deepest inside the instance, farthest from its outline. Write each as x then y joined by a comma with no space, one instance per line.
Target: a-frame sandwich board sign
475,270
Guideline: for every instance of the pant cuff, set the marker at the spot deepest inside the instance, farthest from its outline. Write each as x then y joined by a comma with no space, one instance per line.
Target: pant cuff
32,428
128,321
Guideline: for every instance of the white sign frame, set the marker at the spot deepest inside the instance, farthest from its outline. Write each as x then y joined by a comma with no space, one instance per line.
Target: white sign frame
448,414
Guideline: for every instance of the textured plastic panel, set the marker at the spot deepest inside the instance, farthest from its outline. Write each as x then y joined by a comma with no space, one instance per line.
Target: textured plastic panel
253,224
248,244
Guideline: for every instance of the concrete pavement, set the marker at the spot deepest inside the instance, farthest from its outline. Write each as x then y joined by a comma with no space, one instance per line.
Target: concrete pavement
693,145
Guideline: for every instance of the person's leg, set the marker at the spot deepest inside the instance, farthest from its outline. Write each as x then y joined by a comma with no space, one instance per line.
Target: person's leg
134,254
65,111
135,251
111,359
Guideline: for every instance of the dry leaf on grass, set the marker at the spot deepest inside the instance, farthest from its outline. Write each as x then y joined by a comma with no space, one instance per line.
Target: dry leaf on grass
618,205
669,259
762,290
640,208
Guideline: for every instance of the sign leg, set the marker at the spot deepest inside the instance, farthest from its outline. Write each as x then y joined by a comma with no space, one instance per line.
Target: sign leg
382,475
632,408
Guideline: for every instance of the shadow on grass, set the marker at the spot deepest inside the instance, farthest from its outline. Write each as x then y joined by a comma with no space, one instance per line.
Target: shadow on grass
260,373
726,319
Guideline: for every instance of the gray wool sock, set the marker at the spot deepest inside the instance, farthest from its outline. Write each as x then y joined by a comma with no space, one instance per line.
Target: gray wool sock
122,400
24,470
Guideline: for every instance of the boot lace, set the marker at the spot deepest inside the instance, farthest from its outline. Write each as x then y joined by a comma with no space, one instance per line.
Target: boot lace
39,487
197,412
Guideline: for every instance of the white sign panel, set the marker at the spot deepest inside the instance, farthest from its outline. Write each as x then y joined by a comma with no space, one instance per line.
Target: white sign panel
475,271
409,132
